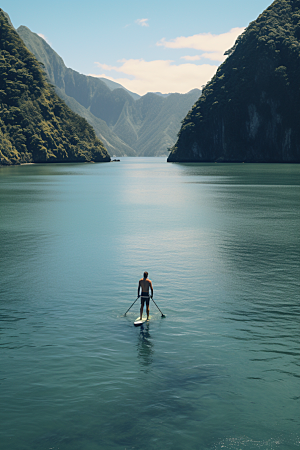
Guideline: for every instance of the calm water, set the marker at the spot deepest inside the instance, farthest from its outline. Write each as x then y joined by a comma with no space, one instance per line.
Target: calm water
221,244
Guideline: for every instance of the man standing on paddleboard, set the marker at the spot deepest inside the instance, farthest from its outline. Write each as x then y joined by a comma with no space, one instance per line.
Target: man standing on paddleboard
144,285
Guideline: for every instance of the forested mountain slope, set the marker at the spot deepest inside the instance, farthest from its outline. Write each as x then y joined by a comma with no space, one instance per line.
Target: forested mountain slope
127,124
250,110
35,124
75,89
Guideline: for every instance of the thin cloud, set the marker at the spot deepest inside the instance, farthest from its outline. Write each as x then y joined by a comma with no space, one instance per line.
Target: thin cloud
213,56
164,76
191,58
214,45
142,22
44,37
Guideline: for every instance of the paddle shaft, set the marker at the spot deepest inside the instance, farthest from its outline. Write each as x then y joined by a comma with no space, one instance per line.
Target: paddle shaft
162,315
131,306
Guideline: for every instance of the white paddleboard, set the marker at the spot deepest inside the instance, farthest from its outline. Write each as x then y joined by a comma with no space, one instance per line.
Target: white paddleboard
138,322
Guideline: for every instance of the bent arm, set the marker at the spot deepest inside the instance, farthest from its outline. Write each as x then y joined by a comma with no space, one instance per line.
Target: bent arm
138,294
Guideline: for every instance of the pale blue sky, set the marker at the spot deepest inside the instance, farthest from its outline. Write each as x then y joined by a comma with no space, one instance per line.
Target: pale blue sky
94,36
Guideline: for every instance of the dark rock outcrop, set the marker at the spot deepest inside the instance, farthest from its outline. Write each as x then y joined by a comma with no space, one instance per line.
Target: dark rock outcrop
250,110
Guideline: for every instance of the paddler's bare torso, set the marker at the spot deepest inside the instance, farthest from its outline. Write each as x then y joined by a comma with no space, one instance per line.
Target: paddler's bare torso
143,291
145,285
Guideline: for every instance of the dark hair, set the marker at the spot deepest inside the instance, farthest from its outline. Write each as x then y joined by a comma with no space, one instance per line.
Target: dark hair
145,274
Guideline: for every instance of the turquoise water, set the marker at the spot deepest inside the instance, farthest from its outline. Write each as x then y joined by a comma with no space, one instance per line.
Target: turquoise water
221,245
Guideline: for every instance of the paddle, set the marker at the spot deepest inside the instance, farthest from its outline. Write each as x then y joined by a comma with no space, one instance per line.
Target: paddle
131,305
162,315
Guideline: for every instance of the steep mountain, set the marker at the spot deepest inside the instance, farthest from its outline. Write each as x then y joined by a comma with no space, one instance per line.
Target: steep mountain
127,123
250,110
35,124
153,121
8,19
75,89
112,85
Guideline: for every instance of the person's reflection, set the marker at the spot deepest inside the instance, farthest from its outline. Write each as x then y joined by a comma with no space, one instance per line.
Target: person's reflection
145,346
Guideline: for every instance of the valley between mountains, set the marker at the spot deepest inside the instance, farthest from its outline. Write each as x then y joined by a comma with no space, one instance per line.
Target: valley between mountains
126,123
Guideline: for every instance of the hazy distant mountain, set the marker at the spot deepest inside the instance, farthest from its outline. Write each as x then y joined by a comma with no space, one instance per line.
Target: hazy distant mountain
35,124
127,123
162,95
112,85
72,87
250,110
150,124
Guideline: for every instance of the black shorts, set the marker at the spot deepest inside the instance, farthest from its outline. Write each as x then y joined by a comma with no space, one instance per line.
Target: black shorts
145,298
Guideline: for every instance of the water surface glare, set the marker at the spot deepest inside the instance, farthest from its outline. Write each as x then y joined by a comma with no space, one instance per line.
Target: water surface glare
221,244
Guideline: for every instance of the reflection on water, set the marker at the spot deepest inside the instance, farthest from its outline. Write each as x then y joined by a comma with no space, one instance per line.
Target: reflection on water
222,246
145,346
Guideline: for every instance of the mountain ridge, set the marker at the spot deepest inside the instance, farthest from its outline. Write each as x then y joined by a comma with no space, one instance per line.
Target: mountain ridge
126,135
35,124
57,72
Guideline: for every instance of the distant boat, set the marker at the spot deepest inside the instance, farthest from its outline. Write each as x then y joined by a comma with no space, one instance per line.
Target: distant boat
115,160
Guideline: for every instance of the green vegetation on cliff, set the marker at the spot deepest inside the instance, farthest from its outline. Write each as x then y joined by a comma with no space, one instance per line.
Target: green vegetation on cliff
127,123
35,124
250,110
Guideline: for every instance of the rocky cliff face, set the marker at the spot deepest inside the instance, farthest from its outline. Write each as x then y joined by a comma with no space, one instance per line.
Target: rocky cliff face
250,110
